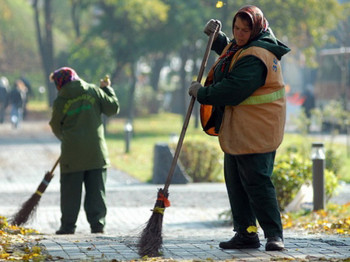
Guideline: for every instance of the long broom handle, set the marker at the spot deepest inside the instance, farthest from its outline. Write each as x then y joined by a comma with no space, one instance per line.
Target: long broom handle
55,165
47,179
189,112
50,174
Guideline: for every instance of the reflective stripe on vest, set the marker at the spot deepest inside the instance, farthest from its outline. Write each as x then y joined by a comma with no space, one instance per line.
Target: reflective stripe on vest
261,99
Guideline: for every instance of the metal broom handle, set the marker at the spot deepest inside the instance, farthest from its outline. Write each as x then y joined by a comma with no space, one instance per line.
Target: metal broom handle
189,112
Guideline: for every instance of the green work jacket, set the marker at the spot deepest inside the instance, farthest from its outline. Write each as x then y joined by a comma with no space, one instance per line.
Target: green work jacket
77,122
247,75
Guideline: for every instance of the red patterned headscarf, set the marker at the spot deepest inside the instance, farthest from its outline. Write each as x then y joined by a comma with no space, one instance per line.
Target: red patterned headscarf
63,76
258,21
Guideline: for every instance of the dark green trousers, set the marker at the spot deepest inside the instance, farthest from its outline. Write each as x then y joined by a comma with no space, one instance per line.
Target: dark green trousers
94,200
251,192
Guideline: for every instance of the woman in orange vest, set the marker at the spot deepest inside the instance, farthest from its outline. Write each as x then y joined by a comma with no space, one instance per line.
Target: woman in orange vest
243,103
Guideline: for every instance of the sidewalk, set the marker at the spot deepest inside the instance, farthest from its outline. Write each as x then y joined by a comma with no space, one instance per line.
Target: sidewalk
191,227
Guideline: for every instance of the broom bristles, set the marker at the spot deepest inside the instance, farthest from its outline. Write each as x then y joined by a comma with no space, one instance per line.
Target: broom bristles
27,210
151,239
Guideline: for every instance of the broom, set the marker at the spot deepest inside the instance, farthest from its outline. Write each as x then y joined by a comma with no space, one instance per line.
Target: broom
150,240
28,208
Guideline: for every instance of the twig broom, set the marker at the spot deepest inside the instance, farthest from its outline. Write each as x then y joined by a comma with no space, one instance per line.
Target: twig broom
150,241
28,208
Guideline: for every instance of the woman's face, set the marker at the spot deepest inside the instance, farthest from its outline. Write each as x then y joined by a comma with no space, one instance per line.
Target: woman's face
241,31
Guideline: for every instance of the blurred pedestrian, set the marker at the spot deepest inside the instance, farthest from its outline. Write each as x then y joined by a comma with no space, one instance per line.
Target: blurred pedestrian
309,103
245,101
4,97
17,97
28,96
76,122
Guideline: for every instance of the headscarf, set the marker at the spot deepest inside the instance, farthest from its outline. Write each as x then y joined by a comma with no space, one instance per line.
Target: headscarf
63,76
259,22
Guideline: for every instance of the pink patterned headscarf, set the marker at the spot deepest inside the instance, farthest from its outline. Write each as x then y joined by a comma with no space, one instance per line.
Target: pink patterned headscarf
258,21
63,76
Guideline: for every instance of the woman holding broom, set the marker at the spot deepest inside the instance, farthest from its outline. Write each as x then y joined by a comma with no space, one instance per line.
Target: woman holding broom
243,103
76,122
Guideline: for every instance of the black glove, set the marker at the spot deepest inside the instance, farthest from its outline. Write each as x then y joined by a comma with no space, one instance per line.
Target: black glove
210,27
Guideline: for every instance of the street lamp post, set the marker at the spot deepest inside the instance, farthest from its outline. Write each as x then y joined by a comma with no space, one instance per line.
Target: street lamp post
318,166
128,134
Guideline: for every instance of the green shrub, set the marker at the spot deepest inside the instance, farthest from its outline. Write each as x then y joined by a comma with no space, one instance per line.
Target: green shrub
202,161
331,183
291,171
334,160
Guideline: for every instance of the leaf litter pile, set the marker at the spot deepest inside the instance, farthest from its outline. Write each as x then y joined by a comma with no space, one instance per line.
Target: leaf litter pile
19,243
23,244
335,219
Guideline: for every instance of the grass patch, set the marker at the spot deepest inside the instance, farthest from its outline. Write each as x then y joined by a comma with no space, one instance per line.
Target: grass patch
148,131
38,110
157,128
38,106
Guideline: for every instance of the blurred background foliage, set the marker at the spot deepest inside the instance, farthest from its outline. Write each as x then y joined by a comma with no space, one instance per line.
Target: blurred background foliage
152,50
154,43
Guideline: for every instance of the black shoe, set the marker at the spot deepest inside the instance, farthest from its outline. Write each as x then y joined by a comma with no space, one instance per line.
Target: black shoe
97,231
64,232
274,244
242,241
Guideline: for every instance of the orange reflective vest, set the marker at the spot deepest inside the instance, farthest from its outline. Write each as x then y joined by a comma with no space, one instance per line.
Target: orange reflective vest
256,125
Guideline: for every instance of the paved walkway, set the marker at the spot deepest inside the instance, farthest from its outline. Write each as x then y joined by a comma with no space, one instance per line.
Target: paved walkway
191,226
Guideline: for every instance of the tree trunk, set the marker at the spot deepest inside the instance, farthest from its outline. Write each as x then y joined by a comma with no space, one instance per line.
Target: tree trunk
195,71
75,16
45,43
157,66
131,103
184,54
